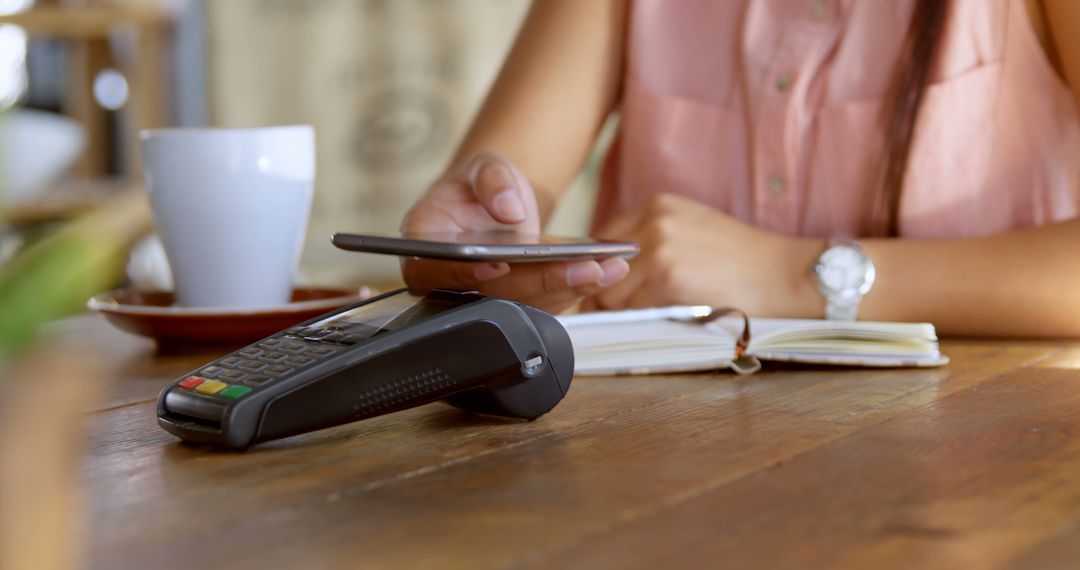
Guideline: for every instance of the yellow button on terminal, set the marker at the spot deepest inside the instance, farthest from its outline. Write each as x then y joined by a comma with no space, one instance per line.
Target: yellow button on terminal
211,387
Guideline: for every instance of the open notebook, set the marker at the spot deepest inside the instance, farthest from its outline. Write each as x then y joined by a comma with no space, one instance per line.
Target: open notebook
648,342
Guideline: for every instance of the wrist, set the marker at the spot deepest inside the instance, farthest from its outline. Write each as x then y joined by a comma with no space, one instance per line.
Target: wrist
803,300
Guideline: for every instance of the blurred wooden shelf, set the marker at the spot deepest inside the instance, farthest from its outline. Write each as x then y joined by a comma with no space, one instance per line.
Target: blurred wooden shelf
90,33
66,200
81,23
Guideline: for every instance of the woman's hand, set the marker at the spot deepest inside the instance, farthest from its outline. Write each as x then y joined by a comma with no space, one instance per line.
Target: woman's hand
491,194
693,254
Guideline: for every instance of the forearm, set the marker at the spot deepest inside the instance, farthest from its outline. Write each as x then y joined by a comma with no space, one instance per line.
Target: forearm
558,85
1018,284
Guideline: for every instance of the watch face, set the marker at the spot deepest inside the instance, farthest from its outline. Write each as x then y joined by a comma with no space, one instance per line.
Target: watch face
843,269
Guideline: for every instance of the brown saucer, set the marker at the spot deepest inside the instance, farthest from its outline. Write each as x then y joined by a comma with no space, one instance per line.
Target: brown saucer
152,314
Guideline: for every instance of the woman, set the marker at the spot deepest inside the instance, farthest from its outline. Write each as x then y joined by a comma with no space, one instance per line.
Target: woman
942,135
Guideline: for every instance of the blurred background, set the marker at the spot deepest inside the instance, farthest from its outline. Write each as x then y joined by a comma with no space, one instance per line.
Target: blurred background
389,85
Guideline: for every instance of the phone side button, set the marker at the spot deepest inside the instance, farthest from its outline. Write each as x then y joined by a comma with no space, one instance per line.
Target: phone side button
538,251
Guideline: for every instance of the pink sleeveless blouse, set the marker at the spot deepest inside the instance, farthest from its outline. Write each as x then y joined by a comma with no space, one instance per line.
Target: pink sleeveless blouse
768,109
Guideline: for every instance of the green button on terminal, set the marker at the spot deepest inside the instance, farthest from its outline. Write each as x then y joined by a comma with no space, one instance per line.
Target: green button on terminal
234,392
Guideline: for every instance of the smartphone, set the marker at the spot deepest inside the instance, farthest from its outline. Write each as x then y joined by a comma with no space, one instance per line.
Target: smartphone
485,246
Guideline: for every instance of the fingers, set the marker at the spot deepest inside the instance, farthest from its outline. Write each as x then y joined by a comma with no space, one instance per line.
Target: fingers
550,286
632,221
556,302
615,270
488,194
538,280
635,220
502,190
618,295
563,300
433,273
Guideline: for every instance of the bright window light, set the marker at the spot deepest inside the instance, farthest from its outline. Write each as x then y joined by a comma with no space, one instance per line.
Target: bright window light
12,6
13,81
110,89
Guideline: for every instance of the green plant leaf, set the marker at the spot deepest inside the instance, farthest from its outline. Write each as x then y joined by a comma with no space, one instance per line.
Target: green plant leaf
55,276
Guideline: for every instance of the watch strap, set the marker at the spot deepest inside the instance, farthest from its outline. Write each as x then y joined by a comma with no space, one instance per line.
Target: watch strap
842,310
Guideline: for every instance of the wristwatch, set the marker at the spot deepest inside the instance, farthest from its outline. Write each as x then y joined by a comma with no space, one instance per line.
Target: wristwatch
843,274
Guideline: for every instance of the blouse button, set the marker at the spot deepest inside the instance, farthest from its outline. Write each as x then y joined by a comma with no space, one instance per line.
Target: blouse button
777,184
783,82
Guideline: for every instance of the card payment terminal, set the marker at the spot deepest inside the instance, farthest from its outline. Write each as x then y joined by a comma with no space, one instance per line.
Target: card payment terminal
395,351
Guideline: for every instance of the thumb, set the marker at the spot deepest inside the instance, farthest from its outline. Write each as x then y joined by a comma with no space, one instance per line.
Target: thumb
500,188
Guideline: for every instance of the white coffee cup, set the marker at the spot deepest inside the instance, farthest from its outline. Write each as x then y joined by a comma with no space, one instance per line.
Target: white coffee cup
231,207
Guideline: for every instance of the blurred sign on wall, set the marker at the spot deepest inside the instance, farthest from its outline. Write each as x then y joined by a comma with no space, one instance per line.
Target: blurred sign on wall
390,86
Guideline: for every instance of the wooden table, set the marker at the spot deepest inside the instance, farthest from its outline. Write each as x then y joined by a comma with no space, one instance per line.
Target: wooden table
976,465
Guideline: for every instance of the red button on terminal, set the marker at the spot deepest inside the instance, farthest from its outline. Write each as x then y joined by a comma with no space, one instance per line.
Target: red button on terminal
191,382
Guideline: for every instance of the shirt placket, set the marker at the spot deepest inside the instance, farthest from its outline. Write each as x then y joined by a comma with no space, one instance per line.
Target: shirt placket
776,142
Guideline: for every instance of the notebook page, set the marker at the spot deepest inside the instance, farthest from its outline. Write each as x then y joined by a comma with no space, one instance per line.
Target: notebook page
648,347
850,343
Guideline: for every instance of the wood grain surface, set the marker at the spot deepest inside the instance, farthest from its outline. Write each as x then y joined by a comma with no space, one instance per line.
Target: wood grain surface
976,465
